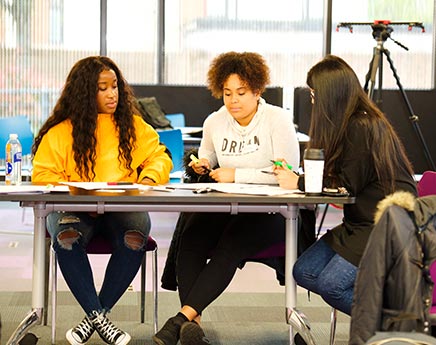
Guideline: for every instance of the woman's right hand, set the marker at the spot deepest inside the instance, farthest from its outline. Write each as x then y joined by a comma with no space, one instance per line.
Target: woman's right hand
201,167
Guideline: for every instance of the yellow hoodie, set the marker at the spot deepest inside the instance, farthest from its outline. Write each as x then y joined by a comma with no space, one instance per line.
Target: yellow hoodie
54,160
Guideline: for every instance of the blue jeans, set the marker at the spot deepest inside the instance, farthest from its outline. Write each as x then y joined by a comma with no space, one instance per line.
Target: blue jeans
321,270
72,231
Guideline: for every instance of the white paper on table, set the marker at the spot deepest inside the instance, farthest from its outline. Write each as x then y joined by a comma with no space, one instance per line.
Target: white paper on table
106,185
24,189
236,188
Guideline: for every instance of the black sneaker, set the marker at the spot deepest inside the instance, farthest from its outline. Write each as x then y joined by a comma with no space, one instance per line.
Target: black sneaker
170,332
192,334
108,331
81,333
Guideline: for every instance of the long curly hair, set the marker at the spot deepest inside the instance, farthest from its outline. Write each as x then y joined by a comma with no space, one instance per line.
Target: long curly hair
250,67
78,103
339,100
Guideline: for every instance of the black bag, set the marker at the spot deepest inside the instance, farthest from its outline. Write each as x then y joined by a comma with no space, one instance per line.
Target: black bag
152,113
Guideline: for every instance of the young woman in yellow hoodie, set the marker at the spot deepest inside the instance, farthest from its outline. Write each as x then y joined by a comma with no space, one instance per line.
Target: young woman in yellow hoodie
93,134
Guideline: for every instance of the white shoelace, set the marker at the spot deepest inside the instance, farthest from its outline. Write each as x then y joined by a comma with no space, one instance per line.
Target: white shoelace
86,328
107,328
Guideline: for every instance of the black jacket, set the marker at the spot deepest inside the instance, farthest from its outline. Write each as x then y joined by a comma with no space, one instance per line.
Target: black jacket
393,289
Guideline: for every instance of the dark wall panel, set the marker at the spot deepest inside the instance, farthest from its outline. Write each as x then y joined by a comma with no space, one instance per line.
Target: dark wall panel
195,102
423,104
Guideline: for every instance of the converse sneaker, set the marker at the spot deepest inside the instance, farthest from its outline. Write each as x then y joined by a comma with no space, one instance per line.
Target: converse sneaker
108,331
81,333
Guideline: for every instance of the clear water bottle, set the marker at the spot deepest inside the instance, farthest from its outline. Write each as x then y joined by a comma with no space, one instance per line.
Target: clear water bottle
13,160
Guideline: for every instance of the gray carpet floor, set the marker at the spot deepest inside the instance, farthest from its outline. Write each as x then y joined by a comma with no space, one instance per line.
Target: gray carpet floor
233,319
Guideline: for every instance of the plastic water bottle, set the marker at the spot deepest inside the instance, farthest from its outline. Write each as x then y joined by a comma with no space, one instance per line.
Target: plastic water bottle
13,160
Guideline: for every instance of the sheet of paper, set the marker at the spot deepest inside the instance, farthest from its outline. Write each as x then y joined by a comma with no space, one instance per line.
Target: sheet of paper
254,189
59,189
236,188
106,185
24,189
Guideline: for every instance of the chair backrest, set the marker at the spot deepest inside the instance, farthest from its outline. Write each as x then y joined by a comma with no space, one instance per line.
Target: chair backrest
19,125
433,277
173,140
177,120
427,184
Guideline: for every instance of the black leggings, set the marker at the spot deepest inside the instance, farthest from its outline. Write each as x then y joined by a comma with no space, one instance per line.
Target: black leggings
226,240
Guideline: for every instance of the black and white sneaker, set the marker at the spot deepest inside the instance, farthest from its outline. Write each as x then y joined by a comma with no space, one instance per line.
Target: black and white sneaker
108,331
81,333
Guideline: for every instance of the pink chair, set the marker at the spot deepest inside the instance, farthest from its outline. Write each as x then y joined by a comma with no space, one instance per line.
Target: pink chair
427,186
433,305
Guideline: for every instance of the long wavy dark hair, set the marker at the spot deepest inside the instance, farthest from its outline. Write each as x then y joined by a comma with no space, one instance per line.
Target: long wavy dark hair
78,103
339,99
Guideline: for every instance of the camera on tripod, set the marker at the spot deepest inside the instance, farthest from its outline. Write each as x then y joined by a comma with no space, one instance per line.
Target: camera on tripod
381,31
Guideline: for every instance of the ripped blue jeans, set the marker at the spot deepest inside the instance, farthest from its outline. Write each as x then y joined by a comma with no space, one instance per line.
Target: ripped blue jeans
72,231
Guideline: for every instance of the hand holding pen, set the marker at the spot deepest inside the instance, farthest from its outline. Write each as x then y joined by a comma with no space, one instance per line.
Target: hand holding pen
284,165
200,166
279,163
286,177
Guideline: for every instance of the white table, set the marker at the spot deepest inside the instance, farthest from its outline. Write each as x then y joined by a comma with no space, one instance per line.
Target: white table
155,201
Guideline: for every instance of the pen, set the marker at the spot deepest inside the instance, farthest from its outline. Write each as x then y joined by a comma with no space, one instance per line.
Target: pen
163,189
119,183
280,164
194,159
268,172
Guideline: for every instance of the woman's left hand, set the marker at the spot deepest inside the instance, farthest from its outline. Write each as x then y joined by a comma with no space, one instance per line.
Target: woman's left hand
148,181
223,175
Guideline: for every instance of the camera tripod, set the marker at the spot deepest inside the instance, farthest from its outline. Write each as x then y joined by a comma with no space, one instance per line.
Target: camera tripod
380,33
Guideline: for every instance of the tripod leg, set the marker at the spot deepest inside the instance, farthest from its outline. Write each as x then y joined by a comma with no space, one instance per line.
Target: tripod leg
370,77
412,116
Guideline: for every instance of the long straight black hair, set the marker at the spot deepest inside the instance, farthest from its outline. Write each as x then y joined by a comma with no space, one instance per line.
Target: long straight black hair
338,99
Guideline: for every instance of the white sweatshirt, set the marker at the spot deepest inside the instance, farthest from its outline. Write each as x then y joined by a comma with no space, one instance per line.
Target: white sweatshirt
270,135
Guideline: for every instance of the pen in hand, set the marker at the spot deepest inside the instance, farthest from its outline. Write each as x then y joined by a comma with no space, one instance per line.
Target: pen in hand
280,164
196,161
